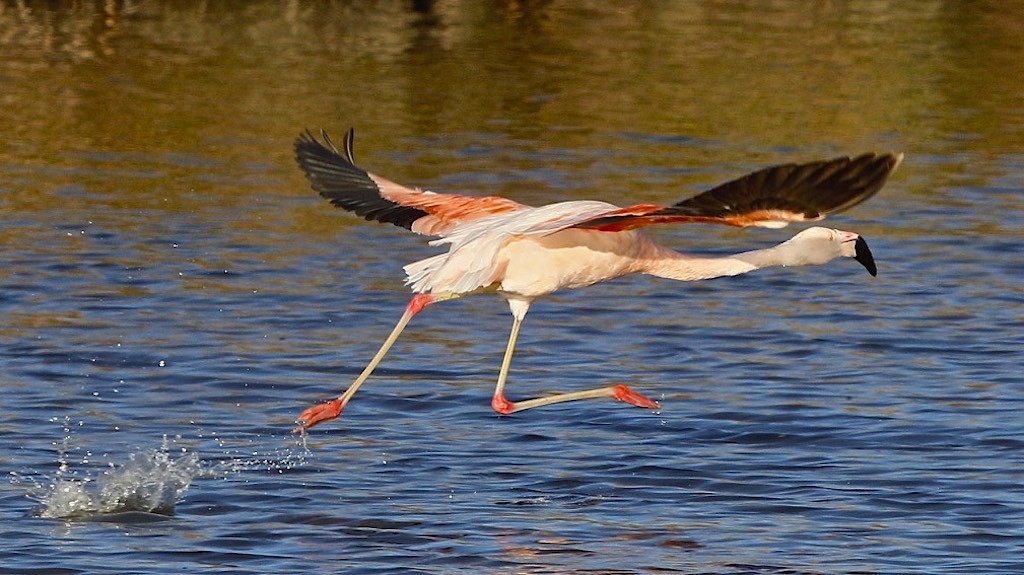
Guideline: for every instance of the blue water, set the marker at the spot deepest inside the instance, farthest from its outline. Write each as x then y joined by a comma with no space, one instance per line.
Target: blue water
172,295
813,420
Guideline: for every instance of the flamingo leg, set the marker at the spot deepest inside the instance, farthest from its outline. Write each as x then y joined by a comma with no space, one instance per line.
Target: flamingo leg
331,409
498,401
503,406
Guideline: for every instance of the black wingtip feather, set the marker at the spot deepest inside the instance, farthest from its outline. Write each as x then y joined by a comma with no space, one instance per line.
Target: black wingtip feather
336,177
813,189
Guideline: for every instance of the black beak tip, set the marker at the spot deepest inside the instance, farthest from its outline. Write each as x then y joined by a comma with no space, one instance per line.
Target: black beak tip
863,255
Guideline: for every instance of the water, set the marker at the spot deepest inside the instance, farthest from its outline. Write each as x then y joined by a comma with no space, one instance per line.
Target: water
173,294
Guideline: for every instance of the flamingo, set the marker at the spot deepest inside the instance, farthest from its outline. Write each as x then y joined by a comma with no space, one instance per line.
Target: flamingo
497,245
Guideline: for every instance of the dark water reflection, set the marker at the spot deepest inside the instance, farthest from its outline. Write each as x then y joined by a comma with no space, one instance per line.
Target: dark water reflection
172,293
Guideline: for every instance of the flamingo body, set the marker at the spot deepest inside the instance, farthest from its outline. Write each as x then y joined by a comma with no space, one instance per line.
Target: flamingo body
530,241
534,266
495,244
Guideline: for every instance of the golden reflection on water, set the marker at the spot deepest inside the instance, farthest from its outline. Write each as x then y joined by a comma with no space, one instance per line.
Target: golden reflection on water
185,101
770,73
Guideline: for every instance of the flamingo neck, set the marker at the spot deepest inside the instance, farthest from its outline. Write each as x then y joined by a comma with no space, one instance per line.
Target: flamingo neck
670,264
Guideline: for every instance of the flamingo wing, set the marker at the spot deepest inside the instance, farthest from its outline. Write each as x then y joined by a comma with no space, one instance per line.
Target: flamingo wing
336,177
770,198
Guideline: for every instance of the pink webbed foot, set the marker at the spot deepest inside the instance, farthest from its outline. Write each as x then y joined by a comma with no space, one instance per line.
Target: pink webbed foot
623,393
318,414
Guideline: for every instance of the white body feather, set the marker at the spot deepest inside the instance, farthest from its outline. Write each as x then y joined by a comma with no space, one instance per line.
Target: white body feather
480,252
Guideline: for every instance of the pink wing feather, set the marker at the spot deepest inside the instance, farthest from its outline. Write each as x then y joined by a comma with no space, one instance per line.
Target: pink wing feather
337,178
771,198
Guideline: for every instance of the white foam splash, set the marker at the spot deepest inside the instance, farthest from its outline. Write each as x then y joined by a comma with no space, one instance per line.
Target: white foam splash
150,482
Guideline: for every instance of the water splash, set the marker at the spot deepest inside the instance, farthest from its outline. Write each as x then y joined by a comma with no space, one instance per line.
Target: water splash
150,482
248,454
278,461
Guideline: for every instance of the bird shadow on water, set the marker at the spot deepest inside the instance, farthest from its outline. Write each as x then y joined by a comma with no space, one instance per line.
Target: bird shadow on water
147,484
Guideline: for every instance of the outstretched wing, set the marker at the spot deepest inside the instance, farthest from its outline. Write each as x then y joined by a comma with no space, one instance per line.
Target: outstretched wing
336,177
769,198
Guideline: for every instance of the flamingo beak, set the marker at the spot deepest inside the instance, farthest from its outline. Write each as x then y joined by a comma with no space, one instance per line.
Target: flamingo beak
863,255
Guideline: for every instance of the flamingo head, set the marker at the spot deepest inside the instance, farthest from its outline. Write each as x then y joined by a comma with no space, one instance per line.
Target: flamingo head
819,245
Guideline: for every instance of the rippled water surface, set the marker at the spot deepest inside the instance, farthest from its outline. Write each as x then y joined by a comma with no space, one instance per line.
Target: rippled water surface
172,293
